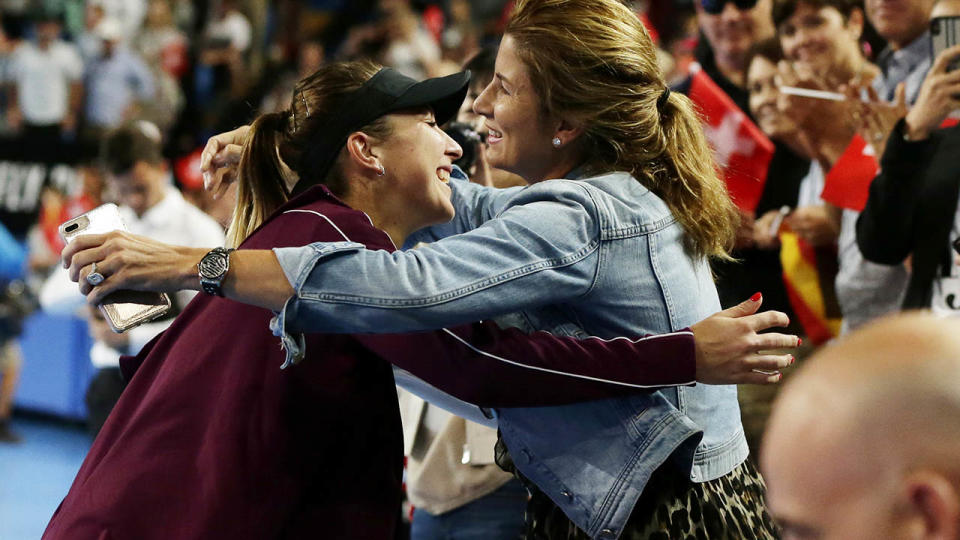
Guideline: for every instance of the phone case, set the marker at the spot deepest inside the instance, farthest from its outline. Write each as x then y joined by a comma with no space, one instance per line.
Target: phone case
122,309
945,33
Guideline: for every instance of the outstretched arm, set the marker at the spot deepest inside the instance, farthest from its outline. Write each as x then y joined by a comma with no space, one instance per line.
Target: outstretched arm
727,345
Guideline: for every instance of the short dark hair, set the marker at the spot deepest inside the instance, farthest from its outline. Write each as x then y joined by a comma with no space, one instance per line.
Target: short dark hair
784,9
768,49
128,144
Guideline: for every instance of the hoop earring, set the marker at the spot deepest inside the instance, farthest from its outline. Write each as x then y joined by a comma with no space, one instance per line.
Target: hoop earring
382,171
557,142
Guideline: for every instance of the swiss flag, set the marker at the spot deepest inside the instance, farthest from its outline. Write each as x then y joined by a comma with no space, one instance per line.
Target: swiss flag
847,185
741,150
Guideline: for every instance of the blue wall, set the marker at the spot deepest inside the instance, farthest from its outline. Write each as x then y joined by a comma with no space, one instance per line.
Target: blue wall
56,366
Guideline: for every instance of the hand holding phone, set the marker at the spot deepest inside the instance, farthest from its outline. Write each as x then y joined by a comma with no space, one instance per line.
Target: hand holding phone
122,309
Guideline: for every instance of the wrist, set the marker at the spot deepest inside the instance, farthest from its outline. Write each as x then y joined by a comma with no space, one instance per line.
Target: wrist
186,273
913,130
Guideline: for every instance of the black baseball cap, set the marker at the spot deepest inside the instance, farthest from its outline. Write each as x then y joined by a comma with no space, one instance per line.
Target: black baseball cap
386,92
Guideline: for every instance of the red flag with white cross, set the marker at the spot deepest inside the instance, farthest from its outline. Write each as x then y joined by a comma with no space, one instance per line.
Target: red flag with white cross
741,150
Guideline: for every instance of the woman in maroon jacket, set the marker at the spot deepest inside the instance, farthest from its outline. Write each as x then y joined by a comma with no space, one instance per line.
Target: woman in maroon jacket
212,440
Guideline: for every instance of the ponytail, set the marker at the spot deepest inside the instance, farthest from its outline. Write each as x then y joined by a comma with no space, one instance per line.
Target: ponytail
261,188
695,192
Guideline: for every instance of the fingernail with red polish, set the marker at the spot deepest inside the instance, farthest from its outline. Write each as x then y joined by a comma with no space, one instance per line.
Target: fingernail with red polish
792,359
799,342
756,297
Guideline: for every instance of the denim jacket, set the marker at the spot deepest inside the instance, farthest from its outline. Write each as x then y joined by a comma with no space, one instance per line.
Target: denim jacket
599,256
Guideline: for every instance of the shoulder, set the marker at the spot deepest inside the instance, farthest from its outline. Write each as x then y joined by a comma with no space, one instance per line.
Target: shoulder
323,221
627,202
559,190
22,52
200,225
66,51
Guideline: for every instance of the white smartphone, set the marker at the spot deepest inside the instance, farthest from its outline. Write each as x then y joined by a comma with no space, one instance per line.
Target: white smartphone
122,309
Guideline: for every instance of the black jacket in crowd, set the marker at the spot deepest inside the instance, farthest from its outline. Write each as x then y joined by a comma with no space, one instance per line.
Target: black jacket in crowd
912,208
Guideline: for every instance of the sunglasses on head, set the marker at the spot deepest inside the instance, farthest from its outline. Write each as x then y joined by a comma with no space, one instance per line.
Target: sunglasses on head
715,7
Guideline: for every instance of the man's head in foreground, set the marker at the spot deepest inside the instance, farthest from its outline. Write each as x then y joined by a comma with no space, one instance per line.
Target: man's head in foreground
864,442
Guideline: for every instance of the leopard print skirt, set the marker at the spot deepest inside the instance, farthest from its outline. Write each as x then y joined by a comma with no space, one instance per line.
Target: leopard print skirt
674,508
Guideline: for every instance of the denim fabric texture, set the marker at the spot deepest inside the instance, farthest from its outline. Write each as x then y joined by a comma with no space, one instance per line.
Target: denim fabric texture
600,256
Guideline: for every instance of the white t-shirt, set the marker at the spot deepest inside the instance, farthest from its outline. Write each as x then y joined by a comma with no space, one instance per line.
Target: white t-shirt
43,79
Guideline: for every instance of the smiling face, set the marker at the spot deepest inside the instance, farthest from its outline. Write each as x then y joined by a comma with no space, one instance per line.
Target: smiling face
418,158
899,21
822,39
764,93
733,31
518,136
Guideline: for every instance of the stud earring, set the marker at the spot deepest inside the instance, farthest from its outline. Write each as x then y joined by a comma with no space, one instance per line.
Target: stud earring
557,142
382,171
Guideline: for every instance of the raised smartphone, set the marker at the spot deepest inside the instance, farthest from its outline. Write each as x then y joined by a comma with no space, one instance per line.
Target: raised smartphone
122,309
945,33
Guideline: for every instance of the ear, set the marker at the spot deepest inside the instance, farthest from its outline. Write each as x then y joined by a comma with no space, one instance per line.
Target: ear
855,23
567,132
936,501
361,149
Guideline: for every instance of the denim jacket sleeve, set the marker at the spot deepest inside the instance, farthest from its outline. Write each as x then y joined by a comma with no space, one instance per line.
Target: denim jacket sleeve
474,205
542,249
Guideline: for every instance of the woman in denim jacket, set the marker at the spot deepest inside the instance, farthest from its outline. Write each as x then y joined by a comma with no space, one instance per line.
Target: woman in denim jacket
617,244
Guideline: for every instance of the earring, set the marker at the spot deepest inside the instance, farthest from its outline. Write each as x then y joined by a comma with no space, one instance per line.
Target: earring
557,142
382,171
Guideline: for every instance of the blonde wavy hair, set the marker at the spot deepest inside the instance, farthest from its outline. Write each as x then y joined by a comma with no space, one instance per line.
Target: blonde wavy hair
592,61
286,135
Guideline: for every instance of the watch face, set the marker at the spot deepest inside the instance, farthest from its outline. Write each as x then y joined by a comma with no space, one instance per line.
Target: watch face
213,265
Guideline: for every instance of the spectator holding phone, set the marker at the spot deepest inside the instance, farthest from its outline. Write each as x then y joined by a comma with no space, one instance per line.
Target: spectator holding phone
912,208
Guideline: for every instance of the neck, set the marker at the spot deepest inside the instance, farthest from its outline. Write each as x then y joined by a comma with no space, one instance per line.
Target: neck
360,199
898,44
156,199
731,68
559,168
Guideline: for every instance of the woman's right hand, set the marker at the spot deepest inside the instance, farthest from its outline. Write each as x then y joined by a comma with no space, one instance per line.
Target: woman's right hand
730,350
128,261
220,158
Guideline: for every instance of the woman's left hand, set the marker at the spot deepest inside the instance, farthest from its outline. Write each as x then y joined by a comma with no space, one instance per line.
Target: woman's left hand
128,261
730,349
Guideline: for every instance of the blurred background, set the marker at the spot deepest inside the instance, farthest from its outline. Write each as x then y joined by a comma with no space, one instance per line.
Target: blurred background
180,70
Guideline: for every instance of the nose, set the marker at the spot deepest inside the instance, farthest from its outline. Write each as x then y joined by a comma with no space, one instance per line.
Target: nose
730,11
482,105
452,149
768,94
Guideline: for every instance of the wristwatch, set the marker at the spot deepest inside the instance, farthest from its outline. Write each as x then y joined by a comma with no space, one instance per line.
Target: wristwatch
213,268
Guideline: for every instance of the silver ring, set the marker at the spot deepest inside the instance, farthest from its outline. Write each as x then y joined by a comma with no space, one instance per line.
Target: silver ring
94,278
